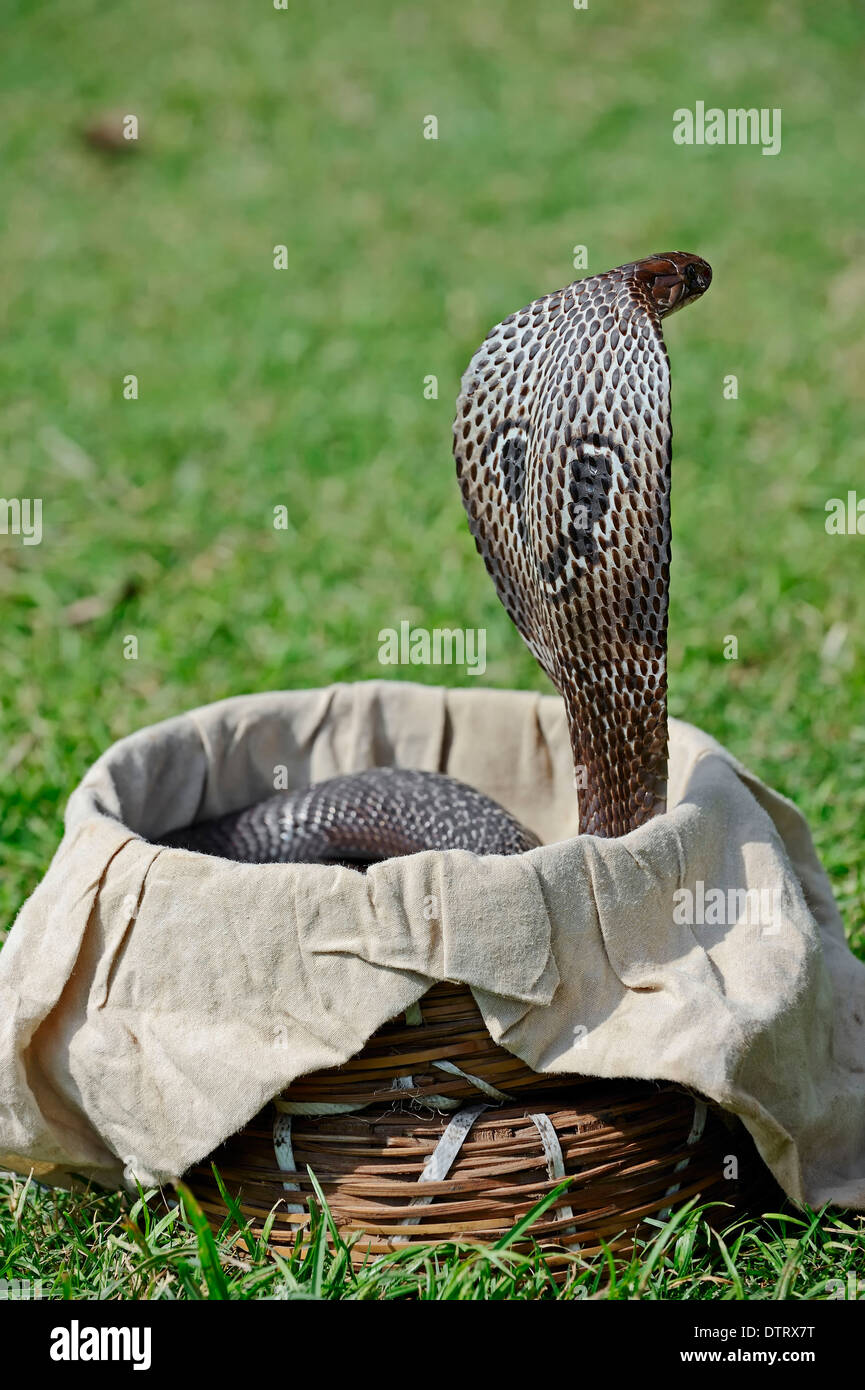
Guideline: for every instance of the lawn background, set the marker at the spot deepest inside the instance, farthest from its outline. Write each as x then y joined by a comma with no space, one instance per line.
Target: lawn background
305,387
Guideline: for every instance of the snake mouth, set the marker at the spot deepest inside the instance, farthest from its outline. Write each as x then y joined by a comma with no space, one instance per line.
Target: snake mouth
674,279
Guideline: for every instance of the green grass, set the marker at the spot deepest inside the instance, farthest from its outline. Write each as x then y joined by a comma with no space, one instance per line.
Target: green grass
304,387
109,1247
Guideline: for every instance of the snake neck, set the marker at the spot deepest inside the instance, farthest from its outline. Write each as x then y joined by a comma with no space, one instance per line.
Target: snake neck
606,648
563,445
618,732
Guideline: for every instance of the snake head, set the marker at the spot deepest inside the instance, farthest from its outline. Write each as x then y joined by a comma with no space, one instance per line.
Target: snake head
674,279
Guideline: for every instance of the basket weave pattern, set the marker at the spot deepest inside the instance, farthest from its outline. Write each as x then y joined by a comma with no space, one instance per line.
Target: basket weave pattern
433,1133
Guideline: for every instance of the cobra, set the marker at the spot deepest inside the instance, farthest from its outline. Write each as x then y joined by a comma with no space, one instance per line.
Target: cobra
563,447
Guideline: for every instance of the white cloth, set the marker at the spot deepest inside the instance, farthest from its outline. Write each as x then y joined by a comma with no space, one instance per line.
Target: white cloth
151,1001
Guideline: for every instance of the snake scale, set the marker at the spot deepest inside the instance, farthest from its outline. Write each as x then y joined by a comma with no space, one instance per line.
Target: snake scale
563,447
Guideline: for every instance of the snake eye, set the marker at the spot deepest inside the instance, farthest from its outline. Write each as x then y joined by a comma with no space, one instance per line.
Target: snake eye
698,277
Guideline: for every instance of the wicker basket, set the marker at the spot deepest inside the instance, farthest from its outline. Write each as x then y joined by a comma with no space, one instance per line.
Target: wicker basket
433,1133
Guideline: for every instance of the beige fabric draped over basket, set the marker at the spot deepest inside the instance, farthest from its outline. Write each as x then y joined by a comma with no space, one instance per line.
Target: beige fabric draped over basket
152,1002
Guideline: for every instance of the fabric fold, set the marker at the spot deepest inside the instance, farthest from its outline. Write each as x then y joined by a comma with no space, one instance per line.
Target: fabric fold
152,1000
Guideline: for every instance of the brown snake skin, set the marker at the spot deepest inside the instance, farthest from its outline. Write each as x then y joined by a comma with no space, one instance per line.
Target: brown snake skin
563,444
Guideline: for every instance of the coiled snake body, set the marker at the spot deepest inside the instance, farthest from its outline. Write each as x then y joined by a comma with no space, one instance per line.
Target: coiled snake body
562,441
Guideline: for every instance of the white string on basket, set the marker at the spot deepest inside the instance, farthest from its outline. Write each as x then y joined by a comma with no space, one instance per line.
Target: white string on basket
698,1124
555,1159
441,1160
285,1158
